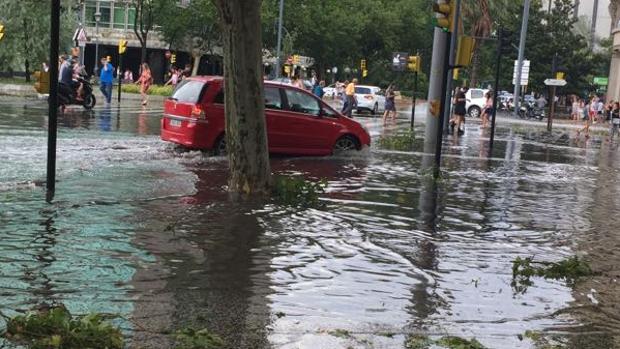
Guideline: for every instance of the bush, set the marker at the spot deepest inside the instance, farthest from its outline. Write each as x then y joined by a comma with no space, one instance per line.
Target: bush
157,90
54,327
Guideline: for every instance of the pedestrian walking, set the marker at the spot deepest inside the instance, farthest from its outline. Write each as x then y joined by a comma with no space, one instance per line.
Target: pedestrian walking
296,81
128,76
615,120
350,94
593,109
343,97
390,105
488,109
106,77
145,81
575,108
318,89
459,111
174,77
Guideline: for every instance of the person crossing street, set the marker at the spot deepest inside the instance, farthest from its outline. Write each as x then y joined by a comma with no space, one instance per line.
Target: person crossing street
106,77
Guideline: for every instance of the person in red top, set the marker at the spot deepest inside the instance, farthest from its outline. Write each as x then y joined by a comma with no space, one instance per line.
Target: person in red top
145,81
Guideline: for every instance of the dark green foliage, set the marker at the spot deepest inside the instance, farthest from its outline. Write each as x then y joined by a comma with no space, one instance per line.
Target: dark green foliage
453,342
190,338
449,342
402,140
570,270
297,191
54,327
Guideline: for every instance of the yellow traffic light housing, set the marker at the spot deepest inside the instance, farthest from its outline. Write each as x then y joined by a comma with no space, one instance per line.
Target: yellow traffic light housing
122,46
43,82
363,64
414,63
444,15
296,59
1,31
364,73
173,58
465,51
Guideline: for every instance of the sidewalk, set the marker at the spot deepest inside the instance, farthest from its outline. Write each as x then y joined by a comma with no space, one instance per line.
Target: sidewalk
28,91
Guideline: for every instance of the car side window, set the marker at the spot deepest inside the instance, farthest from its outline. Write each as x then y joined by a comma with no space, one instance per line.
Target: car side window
476,94
302,103
219,98
273,100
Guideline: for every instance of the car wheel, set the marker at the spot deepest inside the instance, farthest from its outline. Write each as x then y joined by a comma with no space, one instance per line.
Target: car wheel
345,143
89,102
220,146
474,112
375,109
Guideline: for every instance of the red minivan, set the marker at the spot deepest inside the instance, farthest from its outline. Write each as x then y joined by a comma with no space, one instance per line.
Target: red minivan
298,123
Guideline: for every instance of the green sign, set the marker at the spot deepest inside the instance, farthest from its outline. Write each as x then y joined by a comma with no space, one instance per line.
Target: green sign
601,81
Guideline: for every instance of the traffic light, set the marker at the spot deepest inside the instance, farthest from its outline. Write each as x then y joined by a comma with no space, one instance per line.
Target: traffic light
363,64
557,69
505,40
414,63
43,82
173,58
122,46
296,59
444,14
364,73
1,31
465,51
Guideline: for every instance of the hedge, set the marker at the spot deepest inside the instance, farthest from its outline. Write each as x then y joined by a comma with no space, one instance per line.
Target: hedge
158,90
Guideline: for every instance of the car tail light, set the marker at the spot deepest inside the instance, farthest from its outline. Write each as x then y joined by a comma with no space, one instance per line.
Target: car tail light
368,96
197,112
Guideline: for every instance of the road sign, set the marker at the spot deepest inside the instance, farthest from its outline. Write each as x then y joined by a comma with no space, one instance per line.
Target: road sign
399,61
80,37
601,81
555,82
525,73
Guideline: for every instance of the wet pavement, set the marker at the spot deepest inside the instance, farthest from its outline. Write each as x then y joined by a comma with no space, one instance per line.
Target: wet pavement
144,229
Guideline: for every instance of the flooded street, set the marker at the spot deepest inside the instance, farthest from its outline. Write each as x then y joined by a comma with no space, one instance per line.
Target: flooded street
146,230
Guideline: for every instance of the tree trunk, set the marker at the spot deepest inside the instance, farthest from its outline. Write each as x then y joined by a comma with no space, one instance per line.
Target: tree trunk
246,136
143,52
475,67
196,65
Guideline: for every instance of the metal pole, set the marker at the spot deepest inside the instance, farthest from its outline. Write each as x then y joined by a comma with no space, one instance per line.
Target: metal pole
593,28
279,48
526,16
119,76
415,90
452,55
436,80
552,109
442,111
52,128
96,46
498,64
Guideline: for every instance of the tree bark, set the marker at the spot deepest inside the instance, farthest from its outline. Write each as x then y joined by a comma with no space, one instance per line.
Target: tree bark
246,136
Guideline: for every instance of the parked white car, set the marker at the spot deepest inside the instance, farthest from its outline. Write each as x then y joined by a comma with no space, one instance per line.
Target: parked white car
329,91
475,101
369,98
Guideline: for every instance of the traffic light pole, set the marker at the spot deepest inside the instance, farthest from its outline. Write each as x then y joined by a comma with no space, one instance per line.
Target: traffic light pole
454,39
415,90
551,109
496,87
52,128
433,127
517,91
444,105
120,75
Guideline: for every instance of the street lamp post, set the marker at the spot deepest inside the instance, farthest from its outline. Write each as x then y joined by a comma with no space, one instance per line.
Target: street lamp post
279,48
97,19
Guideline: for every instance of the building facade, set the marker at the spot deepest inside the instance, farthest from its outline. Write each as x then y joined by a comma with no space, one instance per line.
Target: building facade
108,21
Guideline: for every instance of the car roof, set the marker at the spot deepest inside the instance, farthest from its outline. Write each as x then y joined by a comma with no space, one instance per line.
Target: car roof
219,78
367,86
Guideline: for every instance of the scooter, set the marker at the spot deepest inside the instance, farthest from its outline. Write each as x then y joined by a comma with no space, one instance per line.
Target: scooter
67,95
529,111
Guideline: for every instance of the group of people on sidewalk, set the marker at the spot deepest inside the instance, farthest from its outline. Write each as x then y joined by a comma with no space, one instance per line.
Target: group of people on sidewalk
596,110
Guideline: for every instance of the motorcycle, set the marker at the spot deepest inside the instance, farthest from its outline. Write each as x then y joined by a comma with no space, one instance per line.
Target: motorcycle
530,111
67,95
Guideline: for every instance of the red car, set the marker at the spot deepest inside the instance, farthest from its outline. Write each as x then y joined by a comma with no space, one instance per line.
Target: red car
298,123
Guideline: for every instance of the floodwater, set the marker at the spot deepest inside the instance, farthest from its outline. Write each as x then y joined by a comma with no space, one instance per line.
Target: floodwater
144,230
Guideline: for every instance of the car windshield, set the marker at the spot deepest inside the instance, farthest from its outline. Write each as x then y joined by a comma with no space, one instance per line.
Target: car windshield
188,91
363,90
